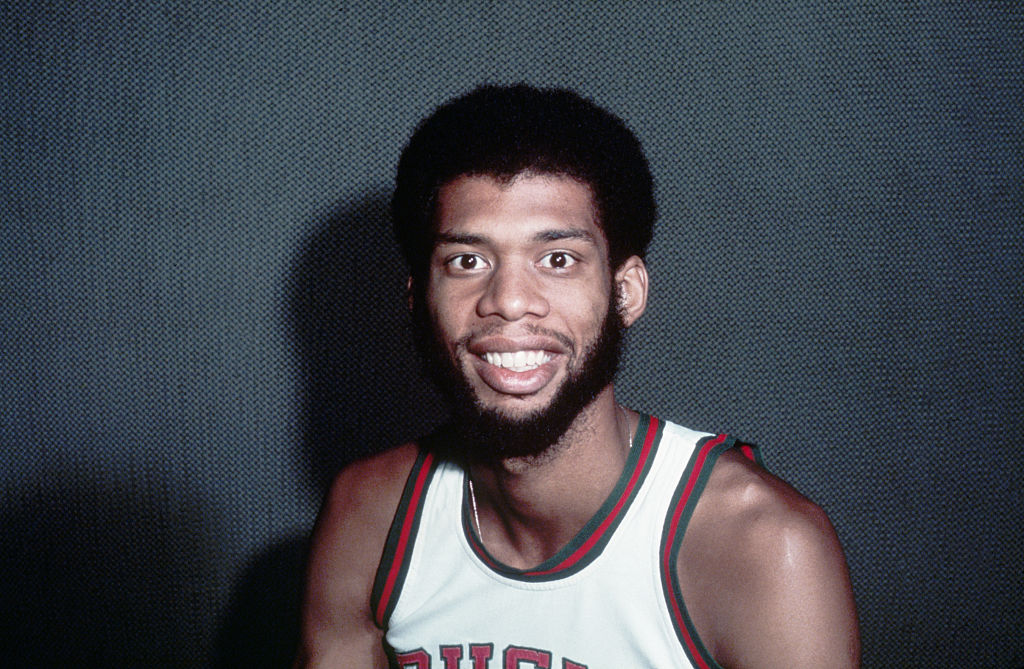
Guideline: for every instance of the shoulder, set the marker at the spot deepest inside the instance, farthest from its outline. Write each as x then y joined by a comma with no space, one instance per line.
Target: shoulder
759,509
358,509
346,548
368,487
763,574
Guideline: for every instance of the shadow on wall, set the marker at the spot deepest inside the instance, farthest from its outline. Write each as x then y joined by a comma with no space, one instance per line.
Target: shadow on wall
363,390
99,572
261,625
362,383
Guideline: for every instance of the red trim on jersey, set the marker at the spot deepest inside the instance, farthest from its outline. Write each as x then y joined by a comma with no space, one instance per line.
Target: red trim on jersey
403,540
577,555
676,610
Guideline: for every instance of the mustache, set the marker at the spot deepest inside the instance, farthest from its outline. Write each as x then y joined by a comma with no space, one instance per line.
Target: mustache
530,328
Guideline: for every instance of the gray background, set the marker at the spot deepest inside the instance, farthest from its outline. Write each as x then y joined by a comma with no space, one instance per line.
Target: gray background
202,315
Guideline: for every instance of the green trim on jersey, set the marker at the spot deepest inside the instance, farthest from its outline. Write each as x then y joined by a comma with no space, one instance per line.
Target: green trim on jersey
394,563
680,511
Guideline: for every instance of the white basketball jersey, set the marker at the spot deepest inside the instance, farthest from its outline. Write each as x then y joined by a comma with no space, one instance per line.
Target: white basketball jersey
608,599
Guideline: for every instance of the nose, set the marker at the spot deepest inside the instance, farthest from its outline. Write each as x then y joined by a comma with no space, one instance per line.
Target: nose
512,293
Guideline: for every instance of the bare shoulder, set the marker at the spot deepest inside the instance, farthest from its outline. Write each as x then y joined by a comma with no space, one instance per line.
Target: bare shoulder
366,487
763,575
349,537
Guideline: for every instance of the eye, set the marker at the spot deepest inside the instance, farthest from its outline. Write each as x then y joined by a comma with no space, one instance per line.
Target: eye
466,262
558,260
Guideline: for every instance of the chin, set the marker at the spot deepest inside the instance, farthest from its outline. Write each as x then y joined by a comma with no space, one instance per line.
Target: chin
489,433
516,407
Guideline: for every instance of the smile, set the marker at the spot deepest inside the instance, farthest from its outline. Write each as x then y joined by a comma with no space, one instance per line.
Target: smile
519,361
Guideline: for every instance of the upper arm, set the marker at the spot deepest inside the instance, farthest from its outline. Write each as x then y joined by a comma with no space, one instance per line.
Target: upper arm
337,622
803,610
767,576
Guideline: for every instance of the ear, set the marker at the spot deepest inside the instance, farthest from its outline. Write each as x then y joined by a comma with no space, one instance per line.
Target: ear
631,289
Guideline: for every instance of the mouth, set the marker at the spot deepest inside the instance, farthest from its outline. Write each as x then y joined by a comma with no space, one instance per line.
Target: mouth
522,366
517,361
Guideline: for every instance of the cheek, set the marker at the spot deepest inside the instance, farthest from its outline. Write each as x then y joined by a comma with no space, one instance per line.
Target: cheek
586,309
453,302
448,323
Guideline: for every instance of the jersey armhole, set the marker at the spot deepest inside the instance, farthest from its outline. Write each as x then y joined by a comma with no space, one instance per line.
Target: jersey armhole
394,562
680,510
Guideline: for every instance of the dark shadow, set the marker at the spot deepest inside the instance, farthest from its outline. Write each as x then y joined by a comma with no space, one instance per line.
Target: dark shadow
261,626
362,384
363,390
98,572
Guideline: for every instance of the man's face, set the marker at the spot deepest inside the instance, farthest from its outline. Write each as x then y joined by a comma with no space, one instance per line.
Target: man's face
519,302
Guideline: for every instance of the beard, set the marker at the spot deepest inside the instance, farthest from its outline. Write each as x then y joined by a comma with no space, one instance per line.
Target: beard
484,434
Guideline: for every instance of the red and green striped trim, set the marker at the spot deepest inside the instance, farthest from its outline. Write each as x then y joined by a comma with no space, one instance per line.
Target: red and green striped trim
684,500
595,535
394,563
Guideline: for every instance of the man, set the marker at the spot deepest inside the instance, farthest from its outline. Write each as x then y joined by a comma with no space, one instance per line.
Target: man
546,525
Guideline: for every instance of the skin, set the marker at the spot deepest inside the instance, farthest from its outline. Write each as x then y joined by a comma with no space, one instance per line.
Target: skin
524,266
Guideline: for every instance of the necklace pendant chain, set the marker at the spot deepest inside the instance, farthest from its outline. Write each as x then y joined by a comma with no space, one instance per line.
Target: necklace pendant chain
476,515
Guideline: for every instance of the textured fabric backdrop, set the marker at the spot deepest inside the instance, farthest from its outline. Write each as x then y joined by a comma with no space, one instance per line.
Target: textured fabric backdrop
202,305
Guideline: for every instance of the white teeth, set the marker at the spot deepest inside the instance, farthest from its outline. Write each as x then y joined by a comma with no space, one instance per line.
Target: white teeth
520,361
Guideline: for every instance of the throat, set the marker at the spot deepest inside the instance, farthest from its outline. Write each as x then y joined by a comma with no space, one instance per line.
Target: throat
524,513
520,541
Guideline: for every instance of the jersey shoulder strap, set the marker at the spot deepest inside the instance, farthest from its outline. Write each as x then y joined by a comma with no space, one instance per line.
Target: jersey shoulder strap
680,510
394,563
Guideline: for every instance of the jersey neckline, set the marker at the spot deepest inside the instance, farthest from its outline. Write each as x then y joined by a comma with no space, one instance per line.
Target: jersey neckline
592,538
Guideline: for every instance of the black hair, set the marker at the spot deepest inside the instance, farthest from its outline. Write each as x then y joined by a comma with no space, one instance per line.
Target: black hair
505,131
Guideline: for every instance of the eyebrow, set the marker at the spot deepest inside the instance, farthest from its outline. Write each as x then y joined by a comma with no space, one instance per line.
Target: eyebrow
543,236
450,238
570,233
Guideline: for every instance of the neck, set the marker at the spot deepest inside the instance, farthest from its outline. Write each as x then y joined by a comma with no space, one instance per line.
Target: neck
525,509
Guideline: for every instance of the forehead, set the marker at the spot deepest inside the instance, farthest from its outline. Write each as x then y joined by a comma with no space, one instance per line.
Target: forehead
527,204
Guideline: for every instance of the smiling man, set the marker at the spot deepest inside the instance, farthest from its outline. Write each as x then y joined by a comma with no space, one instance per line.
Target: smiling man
546,525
